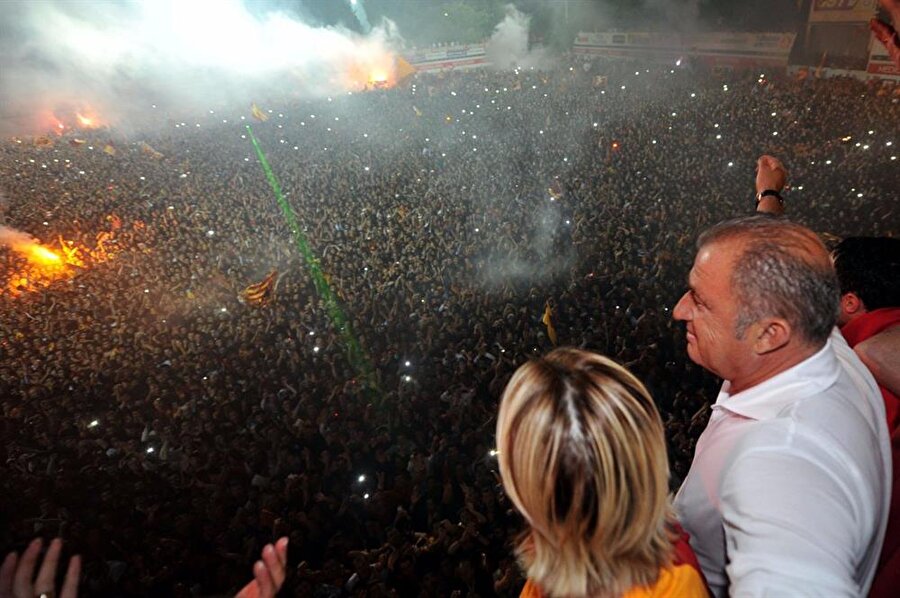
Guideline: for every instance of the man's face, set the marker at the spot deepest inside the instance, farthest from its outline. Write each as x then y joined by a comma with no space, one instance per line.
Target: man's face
709,310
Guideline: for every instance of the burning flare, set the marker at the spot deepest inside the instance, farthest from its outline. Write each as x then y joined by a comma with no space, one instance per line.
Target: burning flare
38,254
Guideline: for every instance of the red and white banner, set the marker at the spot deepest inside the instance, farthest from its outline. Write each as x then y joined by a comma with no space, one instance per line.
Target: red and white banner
451,57
730,49
880,63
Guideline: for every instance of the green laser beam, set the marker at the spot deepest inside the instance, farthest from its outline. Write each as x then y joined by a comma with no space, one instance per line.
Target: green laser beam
355,354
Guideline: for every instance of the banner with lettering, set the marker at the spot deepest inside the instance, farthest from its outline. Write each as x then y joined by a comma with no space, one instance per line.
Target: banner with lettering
842,11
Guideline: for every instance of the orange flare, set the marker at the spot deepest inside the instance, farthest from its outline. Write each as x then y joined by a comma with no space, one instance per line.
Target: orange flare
41,255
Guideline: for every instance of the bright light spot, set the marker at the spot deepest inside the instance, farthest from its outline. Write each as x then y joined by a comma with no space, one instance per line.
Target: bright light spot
407,364
41,255
492,452
859,195
407,378
866,146
774,133
316,349
210,233
871,132
889,143
361,479
93,424
150,449
224,310
827,161
718,136
731,164
366,495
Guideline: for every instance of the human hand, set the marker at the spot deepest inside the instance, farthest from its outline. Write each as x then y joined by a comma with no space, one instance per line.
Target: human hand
888,37
269,573
892,7
770,174
885,33
16,574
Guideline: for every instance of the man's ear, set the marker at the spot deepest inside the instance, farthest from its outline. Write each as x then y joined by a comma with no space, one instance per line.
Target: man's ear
771,334
852,305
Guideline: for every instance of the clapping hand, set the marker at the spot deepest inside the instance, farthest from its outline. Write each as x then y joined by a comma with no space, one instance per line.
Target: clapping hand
268,573
886,34
17,574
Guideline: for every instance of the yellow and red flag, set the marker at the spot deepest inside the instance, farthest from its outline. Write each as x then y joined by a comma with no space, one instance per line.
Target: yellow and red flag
261,292
258,114
548,322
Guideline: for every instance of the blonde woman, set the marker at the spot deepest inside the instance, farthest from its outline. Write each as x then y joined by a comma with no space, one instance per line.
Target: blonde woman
583,458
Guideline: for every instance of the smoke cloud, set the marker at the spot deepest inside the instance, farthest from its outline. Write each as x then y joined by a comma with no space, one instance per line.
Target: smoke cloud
360,12
10,237
508,46
117,59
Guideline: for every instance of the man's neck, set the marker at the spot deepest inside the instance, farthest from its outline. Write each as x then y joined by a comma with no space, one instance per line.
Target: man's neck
770,365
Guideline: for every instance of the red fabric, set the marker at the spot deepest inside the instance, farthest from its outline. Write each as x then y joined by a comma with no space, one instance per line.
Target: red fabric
887,577
684,554
864,327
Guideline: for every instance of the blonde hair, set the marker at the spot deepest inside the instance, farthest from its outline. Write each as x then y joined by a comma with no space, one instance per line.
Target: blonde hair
583,458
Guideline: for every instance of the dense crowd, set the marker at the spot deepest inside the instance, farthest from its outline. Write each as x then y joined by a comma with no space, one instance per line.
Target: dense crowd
168,430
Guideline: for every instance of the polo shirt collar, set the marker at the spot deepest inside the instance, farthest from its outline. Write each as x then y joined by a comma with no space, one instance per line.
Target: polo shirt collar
767,399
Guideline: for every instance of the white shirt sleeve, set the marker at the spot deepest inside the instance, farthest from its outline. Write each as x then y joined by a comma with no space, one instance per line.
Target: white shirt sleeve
791,525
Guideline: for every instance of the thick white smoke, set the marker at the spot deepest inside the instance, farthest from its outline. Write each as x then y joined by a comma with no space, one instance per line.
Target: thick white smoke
117,59
508,45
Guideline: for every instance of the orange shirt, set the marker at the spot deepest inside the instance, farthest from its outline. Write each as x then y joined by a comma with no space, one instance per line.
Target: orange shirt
679,581
683,579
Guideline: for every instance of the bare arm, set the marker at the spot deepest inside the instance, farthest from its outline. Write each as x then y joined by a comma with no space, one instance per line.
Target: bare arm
881,354
770,174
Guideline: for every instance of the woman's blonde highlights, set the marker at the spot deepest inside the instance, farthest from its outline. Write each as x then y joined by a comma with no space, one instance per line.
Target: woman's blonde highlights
582,456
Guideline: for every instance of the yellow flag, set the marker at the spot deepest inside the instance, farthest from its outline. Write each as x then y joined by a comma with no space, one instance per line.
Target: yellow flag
109,149
548,322
150,151
404,69
258,114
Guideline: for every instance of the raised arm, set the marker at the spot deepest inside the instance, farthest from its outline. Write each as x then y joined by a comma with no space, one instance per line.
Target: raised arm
771,175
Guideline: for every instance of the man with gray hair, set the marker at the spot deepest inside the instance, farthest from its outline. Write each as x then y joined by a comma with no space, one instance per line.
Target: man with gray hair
789,489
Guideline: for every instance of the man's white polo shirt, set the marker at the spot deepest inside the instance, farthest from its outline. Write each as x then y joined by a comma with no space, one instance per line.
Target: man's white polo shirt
789,490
